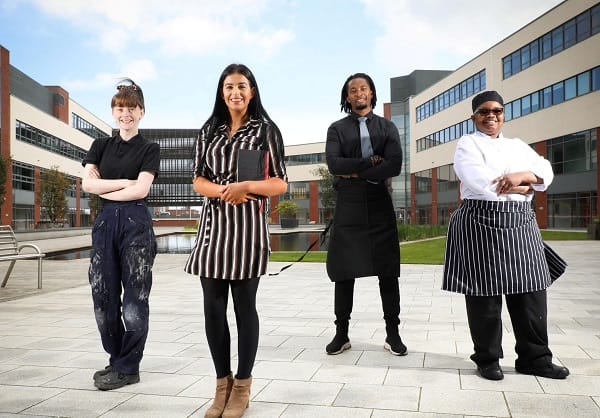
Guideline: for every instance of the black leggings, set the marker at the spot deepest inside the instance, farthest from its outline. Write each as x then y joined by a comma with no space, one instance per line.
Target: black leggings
216,294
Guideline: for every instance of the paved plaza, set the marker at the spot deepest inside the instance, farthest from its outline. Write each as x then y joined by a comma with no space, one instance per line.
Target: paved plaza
50,347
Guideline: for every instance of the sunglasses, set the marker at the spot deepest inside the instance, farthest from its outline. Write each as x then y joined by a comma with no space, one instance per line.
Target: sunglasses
484,112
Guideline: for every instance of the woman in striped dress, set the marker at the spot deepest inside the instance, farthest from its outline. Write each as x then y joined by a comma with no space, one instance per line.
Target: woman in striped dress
494,246
232,246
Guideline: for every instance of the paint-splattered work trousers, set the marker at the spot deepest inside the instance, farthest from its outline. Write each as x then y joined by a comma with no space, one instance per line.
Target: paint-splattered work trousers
123,251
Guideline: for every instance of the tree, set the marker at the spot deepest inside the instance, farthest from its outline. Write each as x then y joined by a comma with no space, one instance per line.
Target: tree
327,191
52,196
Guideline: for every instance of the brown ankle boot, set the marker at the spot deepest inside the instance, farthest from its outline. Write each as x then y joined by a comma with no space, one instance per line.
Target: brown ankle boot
239,398
224,386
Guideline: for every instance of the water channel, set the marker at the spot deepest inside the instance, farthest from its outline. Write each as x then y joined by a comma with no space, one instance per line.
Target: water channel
183,243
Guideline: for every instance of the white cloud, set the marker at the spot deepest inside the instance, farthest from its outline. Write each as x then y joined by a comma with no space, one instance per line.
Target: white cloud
175,27
138,70
433,33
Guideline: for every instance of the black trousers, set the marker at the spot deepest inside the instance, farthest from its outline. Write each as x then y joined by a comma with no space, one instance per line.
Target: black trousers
528,314
123,251
216,295
389,290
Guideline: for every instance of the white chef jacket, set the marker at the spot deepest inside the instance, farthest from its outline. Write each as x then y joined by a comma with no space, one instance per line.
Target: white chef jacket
479,159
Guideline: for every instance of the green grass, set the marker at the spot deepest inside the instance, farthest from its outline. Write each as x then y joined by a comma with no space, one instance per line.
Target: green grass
429,251
289,256
423,252
563,235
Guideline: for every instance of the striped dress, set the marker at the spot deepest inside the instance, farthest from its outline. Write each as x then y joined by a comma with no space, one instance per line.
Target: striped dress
494,246
233,241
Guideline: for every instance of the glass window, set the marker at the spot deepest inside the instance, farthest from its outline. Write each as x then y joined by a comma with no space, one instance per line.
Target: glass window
525,105
525,57
558,93
506,67
570,88
595,19
470,87
476,83
547,97
463,90
516,108
583,26
482,80
516,62
557,40
547,46
570,33
583,83
596,79
534,52
508,111
535,101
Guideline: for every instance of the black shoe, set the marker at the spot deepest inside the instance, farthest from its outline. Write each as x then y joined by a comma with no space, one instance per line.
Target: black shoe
339,344
103,372
116,380
491,372
395,345
549,370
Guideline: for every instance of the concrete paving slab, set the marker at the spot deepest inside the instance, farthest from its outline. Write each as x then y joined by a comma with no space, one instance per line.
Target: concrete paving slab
49,348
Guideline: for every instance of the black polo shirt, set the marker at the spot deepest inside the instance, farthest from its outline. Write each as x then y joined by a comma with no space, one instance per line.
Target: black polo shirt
119,159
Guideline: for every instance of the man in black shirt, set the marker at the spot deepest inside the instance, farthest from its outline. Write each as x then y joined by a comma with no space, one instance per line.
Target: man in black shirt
363,151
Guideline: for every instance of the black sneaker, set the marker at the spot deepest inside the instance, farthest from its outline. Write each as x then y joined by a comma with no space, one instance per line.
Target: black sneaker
395,345
103,372
339,344
116,380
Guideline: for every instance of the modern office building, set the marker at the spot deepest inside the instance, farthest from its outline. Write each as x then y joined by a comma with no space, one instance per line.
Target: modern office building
548,73
302,163
41,127
402,89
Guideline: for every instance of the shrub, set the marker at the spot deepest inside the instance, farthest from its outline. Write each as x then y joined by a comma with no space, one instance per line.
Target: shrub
417,232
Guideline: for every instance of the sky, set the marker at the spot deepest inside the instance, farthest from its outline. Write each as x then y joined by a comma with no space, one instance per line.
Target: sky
300,51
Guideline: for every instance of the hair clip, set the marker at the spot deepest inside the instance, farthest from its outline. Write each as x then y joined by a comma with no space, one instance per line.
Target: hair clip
133,87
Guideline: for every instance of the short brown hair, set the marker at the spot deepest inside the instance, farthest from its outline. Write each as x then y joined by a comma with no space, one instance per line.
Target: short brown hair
128,94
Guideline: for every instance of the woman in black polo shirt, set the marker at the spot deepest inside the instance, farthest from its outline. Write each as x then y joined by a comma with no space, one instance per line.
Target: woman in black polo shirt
121,170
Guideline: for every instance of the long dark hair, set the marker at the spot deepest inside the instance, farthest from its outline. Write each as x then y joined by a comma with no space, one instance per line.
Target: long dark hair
220,113
345,106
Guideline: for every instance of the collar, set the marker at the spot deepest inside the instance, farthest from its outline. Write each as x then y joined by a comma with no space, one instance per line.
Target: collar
355,116
130,141
252,122
481,134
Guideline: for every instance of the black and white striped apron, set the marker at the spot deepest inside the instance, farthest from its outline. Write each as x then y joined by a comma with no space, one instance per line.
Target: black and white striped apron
494,248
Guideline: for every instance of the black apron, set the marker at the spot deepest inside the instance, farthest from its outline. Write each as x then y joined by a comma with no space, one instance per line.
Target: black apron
364,236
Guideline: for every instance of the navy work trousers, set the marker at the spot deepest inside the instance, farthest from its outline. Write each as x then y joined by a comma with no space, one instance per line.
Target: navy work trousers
123,251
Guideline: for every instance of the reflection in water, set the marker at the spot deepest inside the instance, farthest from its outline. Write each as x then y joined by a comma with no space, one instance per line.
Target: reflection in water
183,243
